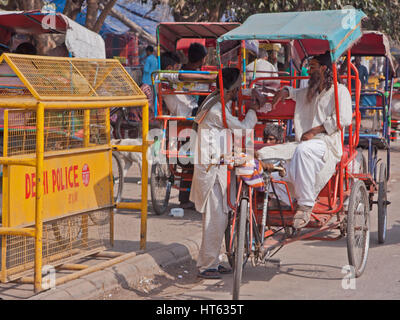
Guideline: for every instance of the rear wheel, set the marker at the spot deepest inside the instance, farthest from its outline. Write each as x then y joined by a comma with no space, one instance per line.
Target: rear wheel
230,242
382,203
240,248
118,177
358,228
161,181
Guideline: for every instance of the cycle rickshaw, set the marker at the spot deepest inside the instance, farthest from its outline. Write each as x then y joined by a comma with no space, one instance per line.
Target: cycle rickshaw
375,103
343,205
375,127
170,168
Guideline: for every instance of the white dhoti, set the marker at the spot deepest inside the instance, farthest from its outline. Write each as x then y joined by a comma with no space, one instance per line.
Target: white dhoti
302,171
215,221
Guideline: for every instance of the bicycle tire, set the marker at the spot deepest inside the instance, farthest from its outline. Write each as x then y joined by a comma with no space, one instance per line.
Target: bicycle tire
230,243
382,204
161,179
239,252
358,228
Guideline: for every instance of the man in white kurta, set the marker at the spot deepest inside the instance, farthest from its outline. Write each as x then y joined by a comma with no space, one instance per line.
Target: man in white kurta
262,68
209,185
317,147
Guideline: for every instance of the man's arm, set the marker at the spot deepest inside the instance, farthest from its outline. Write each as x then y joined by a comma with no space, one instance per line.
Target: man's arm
196,76
313,132
248,122
345,110
281,95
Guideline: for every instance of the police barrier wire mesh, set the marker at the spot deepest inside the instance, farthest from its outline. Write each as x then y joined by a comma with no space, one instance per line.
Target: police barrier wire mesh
28,81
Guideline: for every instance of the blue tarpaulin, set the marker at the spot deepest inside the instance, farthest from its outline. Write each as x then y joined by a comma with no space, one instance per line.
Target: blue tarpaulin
336,30
132,10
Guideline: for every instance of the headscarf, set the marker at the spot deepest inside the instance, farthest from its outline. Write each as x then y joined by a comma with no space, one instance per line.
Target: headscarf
324,59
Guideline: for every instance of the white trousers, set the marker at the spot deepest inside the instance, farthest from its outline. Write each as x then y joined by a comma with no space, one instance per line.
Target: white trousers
301,172
214,225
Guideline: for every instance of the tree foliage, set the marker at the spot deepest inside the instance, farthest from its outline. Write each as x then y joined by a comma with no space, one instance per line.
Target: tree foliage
382,14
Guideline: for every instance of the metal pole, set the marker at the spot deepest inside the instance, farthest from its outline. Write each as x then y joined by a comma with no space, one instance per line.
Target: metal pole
145,130
5,199
39,195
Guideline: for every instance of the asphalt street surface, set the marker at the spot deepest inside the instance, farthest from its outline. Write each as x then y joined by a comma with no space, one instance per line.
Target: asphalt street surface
309,269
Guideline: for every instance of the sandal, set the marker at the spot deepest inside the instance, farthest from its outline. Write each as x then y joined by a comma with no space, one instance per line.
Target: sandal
224,270
302,217
209,274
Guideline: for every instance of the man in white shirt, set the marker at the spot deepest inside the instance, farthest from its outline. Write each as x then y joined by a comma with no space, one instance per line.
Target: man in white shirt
317,147
209,185
261,68
180,105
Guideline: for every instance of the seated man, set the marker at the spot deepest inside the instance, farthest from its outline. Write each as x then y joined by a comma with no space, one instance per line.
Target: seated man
317,147
262,68
179,104
273,133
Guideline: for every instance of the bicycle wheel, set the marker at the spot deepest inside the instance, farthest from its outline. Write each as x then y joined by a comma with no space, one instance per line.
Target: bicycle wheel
118,177
161,181
358,228
230,234
382,203
239,246
118,184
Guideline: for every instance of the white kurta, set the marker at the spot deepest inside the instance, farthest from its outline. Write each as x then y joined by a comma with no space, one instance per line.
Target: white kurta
180,105
263,69
208,148
320,111
209,189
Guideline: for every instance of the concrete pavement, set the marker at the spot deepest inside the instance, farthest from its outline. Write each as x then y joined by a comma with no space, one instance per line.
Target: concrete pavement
170,241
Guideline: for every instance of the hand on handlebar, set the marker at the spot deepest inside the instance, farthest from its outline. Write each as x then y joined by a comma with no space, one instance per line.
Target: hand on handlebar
269,167
254,107
278,97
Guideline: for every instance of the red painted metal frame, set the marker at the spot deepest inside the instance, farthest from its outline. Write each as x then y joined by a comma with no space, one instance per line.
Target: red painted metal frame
335,194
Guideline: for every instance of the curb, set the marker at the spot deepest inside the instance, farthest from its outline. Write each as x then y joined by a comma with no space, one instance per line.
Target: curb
125,274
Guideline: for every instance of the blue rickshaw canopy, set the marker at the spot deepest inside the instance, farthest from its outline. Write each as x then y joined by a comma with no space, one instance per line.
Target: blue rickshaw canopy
314,31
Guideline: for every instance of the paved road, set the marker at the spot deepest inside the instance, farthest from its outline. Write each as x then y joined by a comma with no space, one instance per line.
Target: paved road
309,269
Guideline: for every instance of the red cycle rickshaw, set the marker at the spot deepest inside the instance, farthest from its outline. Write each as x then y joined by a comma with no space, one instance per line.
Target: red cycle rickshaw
257,231
170,168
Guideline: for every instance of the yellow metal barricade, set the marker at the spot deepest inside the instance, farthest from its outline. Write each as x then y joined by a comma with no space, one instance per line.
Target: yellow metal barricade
57,201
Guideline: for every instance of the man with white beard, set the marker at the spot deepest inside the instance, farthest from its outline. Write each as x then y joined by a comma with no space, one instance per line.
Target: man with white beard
317,147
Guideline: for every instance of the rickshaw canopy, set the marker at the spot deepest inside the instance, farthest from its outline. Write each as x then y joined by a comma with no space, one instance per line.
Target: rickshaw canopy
170,32
33,22
373,43
80,41
314,32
